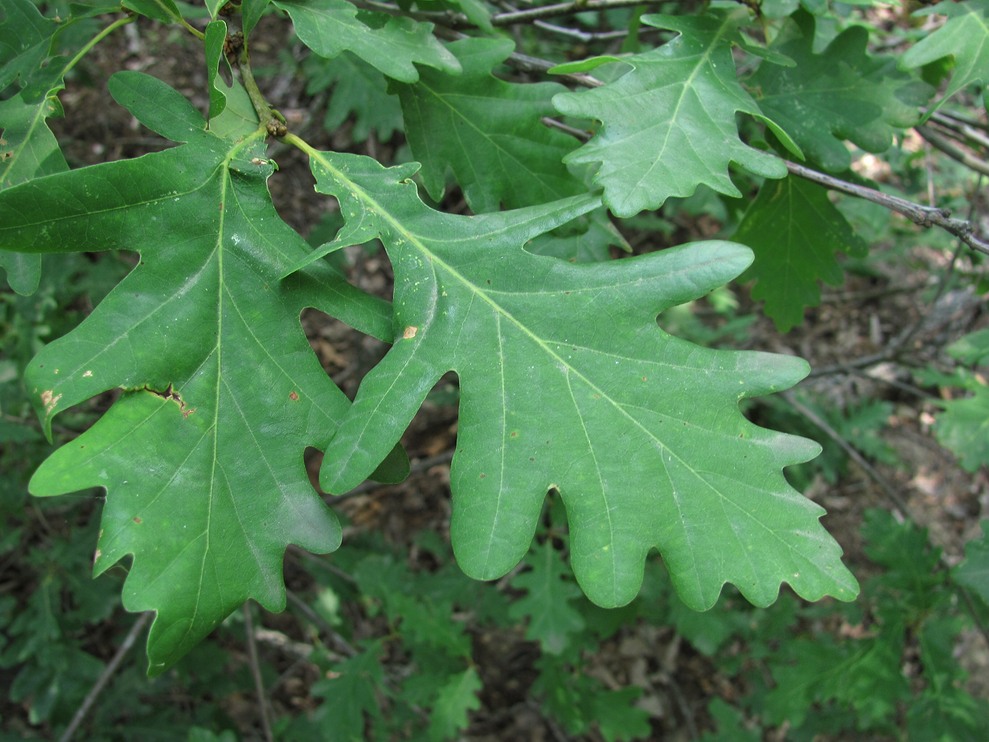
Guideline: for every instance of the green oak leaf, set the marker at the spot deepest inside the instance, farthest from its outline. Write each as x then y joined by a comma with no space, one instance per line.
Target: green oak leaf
795,232
25,40
161,10
28,149
492,138
668,125
568,383
455,698
973,573
965,37
358,91
202,454
617,716
350,695
963,424
496,146
971,349
392,44
963,427
548,603
841,93
216,36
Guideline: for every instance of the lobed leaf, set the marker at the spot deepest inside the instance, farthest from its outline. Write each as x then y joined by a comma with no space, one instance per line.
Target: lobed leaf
965,38
840,94
496,146
25,41
28,148
568,383
547,605
392,44
668,125
454,700
795,232
202,454
492,138
359,92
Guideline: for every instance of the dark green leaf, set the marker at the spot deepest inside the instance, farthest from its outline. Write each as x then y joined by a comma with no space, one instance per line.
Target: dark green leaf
617,717
487,131
25,40
454,700
840,94
973,573
548,603
216,36
350,695
795,232
202,453
963,427
358,90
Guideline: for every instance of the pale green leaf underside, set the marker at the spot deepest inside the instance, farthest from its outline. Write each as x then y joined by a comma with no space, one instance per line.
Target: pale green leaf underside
839,94
668,125
567,382
202,456
795,232
330,27
965,37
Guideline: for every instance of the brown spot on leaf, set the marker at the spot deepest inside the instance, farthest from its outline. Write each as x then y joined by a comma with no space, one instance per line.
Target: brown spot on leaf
138,520
49,399
410,332
294,396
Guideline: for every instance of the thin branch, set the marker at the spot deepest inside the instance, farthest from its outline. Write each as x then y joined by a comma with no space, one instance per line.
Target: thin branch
550,11
970,132
977,123
105,676
340,644
944,144
566,128
925,216
509,18
252,654
849,449
576,33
